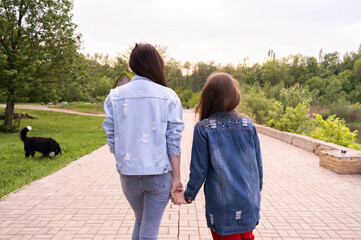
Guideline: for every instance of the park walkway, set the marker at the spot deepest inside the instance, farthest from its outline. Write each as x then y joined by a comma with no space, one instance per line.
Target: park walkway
300,200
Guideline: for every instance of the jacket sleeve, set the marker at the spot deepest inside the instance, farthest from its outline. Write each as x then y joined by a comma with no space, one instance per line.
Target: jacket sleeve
108,124
259,158
199,163
175,127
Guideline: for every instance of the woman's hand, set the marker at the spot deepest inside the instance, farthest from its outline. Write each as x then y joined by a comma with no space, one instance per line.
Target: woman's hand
179,198
177,186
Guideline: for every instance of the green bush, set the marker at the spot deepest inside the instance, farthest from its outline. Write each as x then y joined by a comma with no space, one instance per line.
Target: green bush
75,92
102,86
333,92
341,108
185,96
273,91
355,146
334,130
100,99
256,105
193,101
355,95
291,119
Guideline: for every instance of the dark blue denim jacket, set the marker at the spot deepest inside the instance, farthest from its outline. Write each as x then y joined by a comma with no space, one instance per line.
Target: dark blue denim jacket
226,156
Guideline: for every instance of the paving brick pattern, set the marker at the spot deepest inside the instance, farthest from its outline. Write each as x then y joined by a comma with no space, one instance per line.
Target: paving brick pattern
300,200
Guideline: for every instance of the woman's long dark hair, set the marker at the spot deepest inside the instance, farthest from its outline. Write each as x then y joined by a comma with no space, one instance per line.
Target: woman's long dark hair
220,93
145,61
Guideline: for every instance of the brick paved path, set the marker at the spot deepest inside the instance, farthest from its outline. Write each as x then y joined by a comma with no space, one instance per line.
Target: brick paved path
300,200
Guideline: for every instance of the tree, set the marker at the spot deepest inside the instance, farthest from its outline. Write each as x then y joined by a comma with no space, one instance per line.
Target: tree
312,67
297,69
331,64
173,72
249,75
256,105
200,74
37,44
187,67
274,71
291,97
347,78
229,68
333,92
271,55
357,70
320,56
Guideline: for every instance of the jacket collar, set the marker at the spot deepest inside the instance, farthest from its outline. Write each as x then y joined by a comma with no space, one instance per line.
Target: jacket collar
137,77
222,114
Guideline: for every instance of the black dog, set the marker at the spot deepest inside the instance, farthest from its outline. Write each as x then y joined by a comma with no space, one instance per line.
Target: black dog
47,146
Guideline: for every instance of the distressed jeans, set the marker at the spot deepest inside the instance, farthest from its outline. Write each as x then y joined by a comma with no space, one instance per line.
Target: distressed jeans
148,195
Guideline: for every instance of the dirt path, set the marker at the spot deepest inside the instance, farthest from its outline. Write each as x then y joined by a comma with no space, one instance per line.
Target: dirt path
45,108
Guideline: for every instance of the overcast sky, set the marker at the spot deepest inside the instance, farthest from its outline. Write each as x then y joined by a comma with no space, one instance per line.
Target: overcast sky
226,31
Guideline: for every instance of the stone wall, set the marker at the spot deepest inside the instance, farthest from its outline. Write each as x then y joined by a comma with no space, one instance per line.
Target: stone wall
340,162
337,158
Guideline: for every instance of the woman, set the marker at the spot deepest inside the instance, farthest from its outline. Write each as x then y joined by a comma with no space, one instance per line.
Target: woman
226,156
143,126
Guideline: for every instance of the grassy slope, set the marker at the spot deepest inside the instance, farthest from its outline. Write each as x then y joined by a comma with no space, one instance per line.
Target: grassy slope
77,136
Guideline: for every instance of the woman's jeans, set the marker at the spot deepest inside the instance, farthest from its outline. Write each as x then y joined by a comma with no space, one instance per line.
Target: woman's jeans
148,195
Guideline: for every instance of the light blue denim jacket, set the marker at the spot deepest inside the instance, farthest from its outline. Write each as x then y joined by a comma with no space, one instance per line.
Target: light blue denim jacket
143,126
226,156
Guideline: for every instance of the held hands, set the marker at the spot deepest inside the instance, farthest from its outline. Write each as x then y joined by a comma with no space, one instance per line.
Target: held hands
177,193
179,198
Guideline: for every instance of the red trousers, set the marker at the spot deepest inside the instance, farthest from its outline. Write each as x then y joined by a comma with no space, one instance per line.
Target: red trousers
238,236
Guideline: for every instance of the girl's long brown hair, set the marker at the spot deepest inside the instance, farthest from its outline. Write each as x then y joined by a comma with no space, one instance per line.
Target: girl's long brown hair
145,61
220,93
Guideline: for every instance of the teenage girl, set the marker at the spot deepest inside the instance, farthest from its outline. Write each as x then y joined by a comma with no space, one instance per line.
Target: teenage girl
226,157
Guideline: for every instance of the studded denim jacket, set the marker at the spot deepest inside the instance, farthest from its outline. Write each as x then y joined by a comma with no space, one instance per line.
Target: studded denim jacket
226,157
143,126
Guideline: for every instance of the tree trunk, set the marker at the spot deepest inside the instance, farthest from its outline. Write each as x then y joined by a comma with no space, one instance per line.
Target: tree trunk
9,111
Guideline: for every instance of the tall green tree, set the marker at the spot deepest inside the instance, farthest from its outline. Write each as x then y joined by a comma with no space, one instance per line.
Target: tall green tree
200,73
357,70
331,64
37,44
312,67
173,71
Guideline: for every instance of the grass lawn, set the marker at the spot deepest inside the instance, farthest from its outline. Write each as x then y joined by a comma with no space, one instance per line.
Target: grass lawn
77,136
81,107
